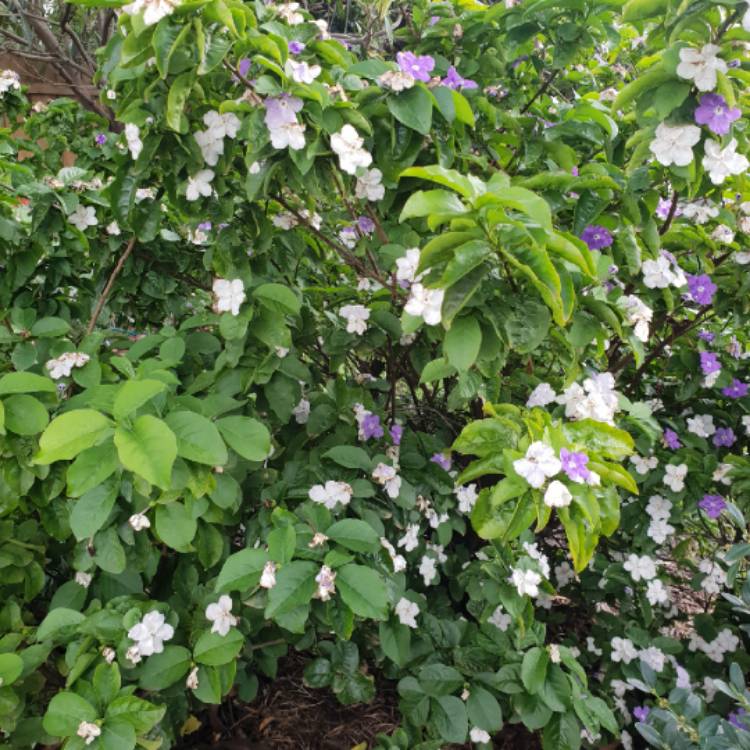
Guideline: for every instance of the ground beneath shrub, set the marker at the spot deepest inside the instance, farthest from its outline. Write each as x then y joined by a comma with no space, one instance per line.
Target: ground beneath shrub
286,715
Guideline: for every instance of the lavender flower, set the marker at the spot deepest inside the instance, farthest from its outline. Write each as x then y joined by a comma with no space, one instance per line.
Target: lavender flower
100,139
205,226
434,20
734,348
574,465
716,114
671,440
664,207
641,712
574,171
295,47
371,427
596,237
709,363
706,336
244,67
712,505
701,288
396,431
724,437
366,224
454,81
442,460
281,110
735,719
737,389
417,67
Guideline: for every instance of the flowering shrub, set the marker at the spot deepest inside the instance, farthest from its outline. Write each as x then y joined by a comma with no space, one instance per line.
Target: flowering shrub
429,363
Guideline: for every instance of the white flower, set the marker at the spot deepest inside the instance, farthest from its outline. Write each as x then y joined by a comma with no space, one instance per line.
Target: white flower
153,10
133,655
640,568
387,477
554,653
221,125
302,411
139,521
656,593
407,612
674,476
211,147
659,508
290,13
673,144
500,619
425,303
479,735
721,472
721,163
191,683
356,317
268,577
288,134
64,364
326,583
396,80
113,229
746,423
564,574
220,614
557,495
467,497
301,72
701,425
347,143
318,540
623,650
133,138
596,400
538,464
625,739
399,562
410,540
644,465
659,274
637,314
724,234
369,185
542,395
701,66
199,185
701,211
526,581
88,731
659,530
229,295
655,658
83,217
428,569
150,633
9,79
284,220
406,266
331,494
83,579
533,551
715,576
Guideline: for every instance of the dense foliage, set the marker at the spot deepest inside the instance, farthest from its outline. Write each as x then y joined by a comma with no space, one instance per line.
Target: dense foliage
426,360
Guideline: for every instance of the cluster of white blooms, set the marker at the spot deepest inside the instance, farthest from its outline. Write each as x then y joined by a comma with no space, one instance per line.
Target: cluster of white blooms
410,540
526,581
658,509
290,13
133,139
564,574
467,497
83,579
715,578
331,494
83,218
623,650
88,731
348,145
268,576
369,185
500,619
428,569
219,614
407,612
356,317
199,185
653,657
301,72
425,303
388,478
153,10
9,79
637,314
399,561
726,642
662,272
211,140
406,266
533,551
396,80
62,366
644,465
674,476
326,583
596,400
641,568
701,425
139,521
301,412
542,395
149,636
229,295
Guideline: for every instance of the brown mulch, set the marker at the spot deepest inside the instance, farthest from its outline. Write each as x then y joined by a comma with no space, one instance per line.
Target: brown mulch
287,715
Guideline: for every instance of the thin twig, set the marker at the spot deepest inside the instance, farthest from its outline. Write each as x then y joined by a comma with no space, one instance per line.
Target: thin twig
545,85
664,228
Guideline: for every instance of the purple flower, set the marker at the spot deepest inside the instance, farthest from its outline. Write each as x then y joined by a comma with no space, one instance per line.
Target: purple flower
641,712
724,437
371,427
417,67
100,139
712,505
734,348
706,336
574,465
671,440
397,432
205,226
434,20
244,67
574,171
596,237
366,225
664,207
709,363
735,719
716,114
295,47
701,288
281,110
738,389
518,61
454,81
442,460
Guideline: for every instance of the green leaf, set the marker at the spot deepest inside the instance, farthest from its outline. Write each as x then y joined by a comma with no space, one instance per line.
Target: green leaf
25,382
137,712
60,622
295,585
91,511
25,415
11,667
175,525
462,343
197,438
466,258
413,108
437,370
467,185
534,669
117,735
601,438
91,467
246,436
281,544
165,669
354,534
488,437
448,716
278,298
65,713
241,570
107,682
426,202
439,679
214,650
176,100
350,456
484,710
133,394
69,434
363,591
148,449
166,40
505,512
50,328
